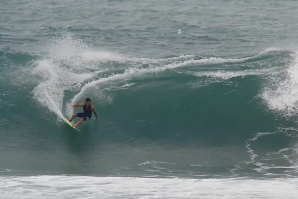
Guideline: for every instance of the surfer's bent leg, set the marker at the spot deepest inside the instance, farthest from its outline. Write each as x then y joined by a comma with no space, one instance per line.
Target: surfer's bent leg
83,118
79,122
72,117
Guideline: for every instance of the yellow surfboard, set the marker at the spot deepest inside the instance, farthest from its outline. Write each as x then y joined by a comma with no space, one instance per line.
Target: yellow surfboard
67,122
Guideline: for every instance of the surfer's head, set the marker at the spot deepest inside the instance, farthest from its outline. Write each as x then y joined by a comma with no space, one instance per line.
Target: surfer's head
88,100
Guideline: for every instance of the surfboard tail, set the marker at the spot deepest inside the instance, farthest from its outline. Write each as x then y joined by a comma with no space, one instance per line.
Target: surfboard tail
70,124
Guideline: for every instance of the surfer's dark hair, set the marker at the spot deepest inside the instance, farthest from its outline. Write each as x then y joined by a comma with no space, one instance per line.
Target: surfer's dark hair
88,99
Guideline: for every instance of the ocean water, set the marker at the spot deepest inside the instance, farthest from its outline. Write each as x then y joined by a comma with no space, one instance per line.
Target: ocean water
196,99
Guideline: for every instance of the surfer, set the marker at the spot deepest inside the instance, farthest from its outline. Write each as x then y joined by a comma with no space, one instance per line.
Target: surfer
86,115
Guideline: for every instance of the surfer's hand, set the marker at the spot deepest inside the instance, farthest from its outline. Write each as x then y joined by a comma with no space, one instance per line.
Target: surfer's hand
96,118
72,106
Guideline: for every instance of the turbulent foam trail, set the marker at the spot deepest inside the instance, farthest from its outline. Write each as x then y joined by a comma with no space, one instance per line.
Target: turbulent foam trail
68,64
56,79
118,187
129,73
72,66
221,74
161,65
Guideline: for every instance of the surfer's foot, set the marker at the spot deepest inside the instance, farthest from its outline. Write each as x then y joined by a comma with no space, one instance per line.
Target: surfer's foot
75,125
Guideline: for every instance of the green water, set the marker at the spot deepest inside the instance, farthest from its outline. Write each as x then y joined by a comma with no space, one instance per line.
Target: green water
183,89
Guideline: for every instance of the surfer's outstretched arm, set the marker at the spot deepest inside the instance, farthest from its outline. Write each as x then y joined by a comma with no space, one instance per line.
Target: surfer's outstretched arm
77,105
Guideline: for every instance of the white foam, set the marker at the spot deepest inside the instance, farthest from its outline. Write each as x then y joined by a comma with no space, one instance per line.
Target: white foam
155,68
77,187
253,155
70,63
56,79
215,60
225,75
128,73
2,170
281,94
73,66
67,66
267,162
